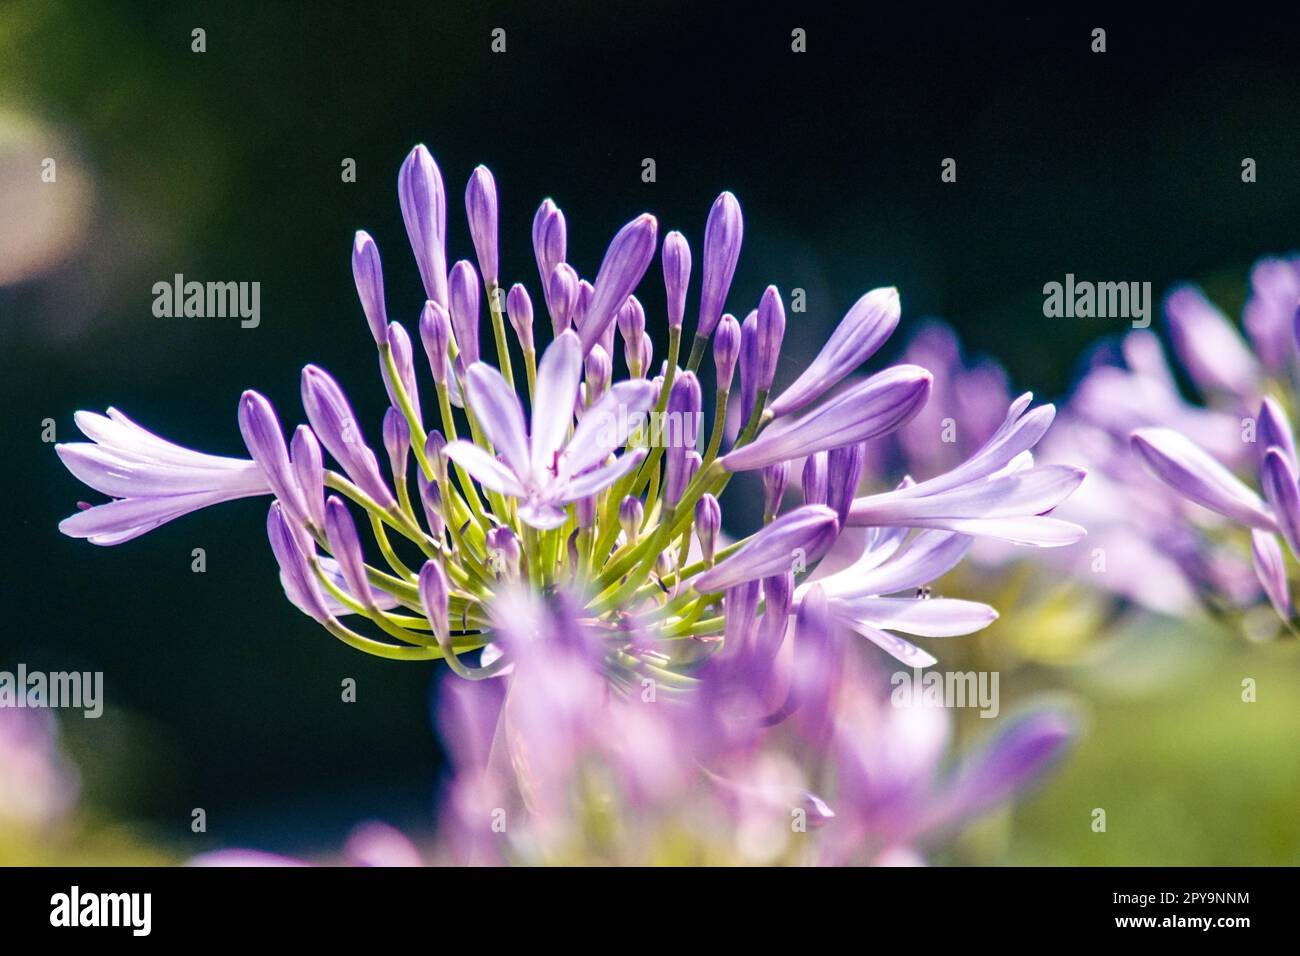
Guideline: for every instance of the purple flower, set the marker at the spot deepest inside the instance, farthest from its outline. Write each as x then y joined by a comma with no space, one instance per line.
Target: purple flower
677,276
369,277
800,538
546,469
464,293
152,480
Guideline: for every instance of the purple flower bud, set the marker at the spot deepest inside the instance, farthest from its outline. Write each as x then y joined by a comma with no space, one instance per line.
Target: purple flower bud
1207,342
1274,431
797,539
435,597
726,350
708,522
814,479
585,509
750,366
771,332
631,324
431,501
550,244
519,309
775,478
504,551
864,329
369,277
435,333
625,262
345,545
631,512
309,469
1278,479
463,289
336,426
562,297
881,404
434,443
677,276
680,432
300,584
843,472
1270,569
399,343
600,370
778,597
582,303
647,356
261,430
722,236
397,442
424,210
481,210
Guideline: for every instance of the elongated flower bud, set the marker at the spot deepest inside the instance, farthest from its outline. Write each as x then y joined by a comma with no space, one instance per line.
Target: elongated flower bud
424,210
504,553
345,545
1274,431
369,277
261,430
1213,352
771,332
309,469
463,288
679,433
550,244
775,479
843,472
431,502
1270,569
647,357
397,442
726,350
435,598
300,584
481,210
778,597
751,366
708,522
881,404
677,276
562,297
631,324
625,262
817,668
399,343
435,333
295,572
599,371
631,512
795,540
582,303
814,479
860,333
585,511
336,426
722,237
519,309
434,443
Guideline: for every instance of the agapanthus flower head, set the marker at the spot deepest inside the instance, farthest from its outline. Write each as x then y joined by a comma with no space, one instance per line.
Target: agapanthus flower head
565,534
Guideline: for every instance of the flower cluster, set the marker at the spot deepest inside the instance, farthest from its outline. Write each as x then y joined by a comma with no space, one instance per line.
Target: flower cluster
1197,452
579,545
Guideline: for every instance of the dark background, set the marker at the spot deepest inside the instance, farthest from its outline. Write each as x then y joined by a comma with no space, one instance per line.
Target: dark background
226,165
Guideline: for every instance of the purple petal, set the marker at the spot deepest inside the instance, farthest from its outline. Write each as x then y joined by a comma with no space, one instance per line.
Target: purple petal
860,333
800,536
500,416
558,375
1209,346
875,407
1278,478
932,617
1191,472
626,261
722,238
265,442
424,210
606,426
369,278
346,547
337,428
1270,568
484,468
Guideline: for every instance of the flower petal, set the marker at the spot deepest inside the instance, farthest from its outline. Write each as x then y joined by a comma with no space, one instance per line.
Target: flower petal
558,375
1185,467
497,409
484,469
